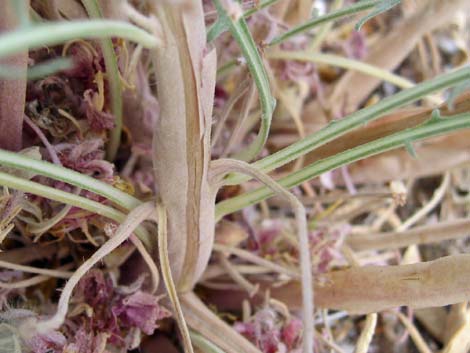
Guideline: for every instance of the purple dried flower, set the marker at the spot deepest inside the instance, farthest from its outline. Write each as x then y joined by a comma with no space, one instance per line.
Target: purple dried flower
94,289
98,120
291,333
140,310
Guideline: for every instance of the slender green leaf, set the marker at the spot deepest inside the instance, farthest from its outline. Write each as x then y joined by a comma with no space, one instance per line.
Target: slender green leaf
18,161
355,120
37,71
381,7
68,198
222,25
33,37
429,129
350,10
242,35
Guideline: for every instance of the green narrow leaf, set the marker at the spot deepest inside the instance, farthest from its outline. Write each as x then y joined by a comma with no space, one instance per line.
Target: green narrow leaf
353,121
37,71
242,35
347,11
457,91
435,115
381,7
397,140
410,149
221,25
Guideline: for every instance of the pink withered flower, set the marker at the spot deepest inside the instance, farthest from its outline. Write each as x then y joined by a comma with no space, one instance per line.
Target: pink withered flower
291,333
98,120
140,310
94,289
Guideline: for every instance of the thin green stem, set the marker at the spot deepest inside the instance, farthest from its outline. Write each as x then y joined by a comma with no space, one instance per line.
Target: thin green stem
324,29
357,7
22,11
362,117
18,161
37,71
40,35
221,25
242,35
67,198
114,79
339,61
432,127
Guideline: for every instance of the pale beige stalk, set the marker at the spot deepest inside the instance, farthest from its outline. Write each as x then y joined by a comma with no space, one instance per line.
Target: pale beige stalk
185,85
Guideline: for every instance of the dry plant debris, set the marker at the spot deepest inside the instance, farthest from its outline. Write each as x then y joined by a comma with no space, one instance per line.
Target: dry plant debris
246,176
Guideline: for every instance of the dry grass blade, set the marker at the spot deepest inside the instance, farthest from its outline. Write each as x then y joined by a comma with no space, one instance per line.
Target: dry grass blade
220,169
167,277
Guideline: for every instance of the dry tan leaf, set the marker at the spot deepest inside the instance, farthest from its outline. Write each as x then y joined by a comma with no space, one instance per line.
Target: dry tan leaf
375,288
186,81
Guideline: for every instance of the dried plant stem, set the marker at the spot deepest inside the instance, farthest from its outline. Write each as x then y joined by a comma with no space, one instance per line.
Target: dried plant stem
25,283
249,256
428,207
367,333
153,269
161,218
219,170
420,235
414,333
132,221
236,276
33,280
39,271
